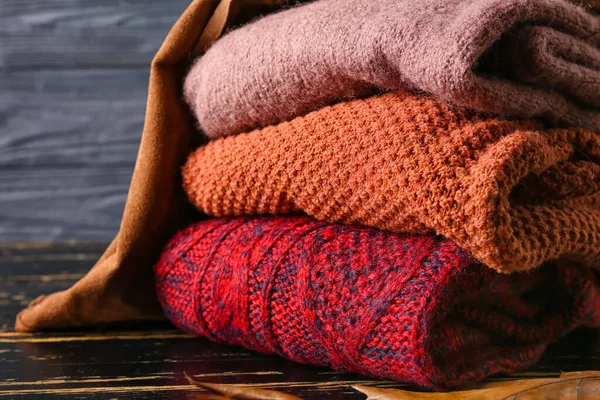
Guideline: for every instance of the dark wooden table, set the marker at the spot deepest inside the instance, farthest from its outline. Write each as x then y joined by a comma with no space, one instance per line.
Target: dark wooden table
148,361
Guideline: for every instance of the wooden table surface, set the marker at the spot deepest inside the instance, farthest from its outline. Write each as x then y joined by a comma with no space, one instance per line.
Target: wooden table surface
148,361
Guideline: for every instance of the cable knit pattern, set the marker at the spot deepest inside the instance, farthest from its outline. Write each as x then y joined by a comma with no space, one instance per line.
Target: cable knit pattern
511,193
522,58
413,308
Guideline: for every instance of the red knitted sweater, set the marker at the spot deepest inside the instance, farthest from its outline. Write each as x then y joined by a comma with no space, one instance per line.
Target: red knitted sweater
413,308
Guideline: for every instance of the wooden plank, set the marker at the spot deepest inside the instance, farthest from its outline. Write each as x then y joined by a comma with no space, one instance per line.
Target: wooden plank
42,251
76,118
62,203
83,33
68,149
73,84
28,271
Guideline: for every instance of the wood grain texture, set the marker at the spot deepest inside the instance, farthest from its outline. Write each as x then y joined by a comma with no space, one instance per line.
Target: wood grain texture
83,33
71,118
68,151
147,361
73,85
59,203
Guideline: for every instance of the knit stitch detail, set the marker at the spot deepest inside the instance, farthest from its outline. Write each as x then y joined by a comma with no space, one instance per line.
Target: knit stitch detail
513,194
534,58
417,309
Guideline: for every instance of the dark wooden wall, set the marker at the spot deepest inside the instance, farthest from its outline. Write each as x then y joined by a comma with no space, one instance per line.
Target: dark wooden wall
73,81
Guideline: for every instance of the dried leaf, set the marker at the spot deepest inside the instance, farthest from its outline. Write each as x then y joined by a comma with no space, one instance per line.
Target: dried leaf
242,392
211,397
573,385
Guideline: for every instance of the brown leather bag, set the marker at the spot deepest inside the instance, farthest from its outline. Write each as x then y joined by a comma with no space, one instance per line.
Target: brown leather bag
120,286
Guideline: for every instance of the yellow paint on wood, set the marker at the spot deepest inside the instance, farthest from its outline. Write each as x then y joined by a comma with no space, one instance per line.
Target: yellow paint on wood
122,389
96,337
64,380
125,389
236,373
10,334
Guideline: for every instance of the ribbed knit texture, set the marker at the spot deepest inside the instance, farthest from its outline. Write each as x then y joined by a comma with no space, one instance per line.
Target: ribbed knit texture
413,308
514,57
511,193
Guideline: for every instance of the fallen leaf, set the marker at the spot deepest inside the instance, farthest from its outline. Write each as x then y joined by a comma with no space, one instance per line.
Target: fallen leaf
211,397
242,392
572,385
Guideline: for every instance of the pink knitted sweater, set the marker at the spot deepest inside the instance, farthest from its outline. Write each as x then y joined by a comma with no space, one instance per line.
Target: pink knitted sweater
514,57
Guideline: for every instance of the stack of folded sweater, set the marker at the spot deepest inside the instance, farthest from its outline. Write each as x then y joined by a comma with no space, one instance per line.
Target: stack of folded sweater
401,189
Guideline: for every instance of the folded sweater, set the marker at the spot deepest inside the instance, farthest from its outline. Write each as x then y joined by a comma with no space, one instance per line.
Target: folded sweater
514,57
513,194
417,309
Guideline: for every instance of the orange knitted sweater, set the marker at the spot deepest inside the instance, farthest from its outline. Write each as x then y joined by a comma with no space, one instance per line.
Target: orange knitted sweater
512,193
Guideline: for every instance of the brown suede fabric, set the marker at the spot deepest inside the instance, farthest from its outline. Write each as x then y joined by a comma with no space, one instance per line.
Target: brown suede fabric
120,286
